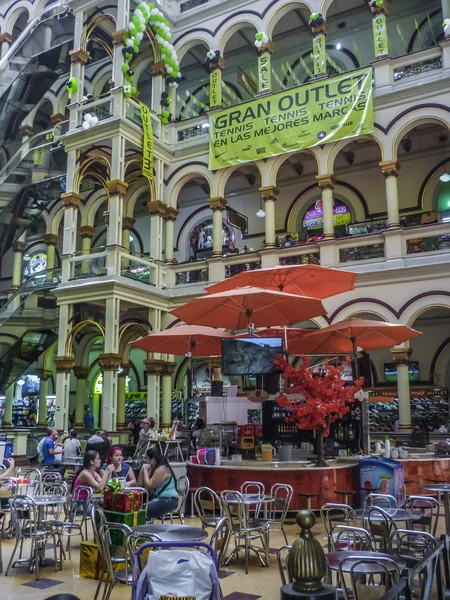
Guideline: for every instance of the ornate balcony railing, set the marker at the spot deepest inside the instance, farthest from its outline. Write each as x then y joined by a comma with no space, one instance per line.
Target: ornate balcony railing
195,276
193,132
88,266
357,253
417,68
231,270
428,244
310,258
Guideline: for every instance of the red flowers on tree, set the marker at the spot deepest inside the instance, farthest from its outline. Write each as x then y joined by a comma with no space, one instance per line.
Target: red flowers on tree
326,397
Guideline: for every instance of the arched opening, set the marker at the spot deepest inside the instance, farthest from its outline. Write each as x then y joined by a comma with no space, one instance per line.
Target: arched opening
239,78
194,240
193,91
20,24
42,120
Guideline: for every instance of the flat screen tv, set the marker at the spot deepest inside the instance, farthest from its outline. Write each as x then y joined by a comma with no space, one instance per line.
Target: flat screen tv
251,355
390,371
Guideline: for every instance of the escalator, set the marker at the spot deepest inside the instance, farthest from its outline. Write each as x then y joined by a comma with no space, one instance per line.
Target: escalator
33,308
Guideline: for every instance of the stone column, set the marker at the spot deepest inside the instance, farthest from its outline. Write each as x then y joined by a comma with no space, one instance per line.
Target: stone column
6,39
265,67
170,218
380,38
44,376
319,32
9,399
390,171
117,191
86,233
78,59
123,374
127,225
18,248
51,240
166,393
158,85
326,184
48,29
215,68
217,205
71,202
63,366
109,364
26,131
81,373
154,368
269,196
401,358
158,211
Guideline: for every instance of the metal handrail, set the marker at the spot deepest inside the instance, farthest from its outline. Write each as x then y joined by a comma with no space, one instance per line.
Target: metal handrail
19,155
25,287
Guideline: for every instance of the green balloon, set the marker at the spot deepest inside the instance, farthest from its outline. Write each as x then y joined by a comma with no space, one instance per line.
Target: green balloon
133,90
125,68
133,30
135,20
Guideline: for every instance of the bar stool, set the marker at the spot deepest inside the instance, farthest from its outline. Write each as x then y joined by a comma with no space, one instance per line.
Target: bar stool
308,496
346,494
192,491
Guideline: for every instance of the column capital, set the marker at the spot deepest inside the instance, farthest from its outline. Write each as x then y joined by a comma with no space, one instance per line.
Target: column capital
401,356
128,223
81,372
321,28
157,208
18,247
6,37
57,118
116,187
64,364
154,366
110,361
44,373
78,57
217,203
390,168
269,192
125,370
51,239
71,199
26,130
118,37
217,64
86,231
326,182
171,214
158,68
267,48
381,9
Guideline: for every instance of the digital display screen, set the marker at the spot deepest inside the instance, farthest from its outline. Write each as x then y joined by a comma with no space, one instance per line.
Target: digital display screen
250,356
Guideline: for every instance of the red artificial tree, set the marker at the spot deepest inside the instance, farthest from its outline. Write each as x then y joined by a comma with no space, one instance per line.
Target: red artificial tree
326,398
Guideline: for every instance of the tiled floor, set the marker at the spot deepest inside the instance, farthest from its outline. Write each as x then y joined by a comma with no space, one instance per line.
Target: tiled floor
260,584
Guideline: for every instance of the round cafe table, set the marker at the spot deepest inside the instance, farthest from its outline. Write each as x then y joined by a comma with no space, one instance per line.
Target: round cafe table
251,499
396,514
335,558
444,489
173,533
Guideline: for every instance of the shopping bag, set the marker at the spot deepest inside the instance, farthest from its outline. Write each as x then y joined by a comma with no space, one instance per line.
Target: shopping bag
179,573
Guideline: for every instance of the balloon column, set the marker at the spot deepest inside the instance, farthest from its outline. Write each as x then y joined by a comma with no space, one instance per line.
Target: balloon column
147,13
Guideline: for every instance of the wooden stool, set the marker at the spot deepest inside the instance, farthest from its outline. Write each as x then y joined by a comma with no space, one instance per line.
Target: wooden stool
346,494
308,497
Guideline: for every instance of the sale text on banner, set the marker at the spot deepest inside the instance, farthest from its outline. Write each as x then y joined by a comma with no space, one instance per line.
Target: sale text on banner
323,111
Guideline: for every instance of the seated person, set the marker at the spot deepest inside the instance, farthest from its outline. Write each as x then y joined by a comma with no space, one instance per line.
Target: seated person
9,469
99,442
157,476
87,476
121,470
72,447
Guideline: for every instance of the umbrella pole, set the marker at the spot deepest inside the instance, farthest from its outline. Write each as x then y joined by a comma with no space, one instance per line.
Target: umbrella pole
364,439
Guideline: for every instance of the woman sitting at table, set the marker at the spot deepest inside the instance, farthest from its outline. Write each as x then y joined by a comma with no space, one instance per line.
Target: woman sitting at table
157,476
9,469
87,476
121,469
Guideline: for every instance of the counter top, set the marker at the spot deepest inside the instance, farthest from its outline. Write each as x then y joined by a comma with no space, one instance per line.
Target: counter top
250,465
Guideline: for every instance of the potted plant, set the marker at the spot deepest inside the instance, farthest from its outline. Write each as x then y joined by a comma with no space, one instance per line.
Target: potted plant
326,397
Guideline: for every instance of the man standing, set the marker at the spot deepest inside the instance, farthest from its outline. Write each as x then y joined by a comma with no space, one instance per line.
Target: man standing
72,447
49,450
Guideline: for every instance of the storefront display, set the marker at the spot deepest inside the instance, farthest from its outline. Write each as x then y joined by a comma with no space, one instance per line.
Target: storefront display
313,218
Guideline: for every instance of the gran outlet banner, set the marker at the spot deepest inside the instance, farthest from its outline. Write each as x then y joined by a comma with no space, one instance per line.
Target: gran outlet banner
323,111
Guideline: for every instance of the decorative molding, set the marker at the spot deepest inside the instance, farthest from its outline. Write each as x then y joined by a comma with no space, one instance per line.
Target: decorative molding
57,118
86,231
171,214
158,69
128,223
326,182
118,37
269,192
26,130
401,355
266,48
51,239
390,168
116,187
71,200
158,367
18,247
125,370
79,57
110,361
6,37
157,208
64,364
320,29
215,65
217,203
81,372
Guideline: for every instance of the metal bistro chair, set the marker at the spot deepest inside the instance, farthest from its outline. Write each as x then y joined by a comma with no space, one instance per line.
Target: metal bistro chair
220,538
183,491
117,556
283,564
25,519
253,487
57,488
8,488
32,488
411,545
243,530
208,506
384,573
124,575
81,506
429,507
380,525
65,526
381,500
278,508
333,514
347,538
49,477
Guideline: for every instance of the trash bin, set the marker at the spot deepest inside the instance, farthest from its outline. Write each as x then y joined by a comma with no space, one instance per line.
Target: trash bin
382,476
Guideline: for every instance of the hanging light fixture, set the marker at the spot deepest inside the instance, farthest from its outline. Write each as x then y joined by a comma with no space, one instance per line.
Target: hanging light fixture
261,212
445,177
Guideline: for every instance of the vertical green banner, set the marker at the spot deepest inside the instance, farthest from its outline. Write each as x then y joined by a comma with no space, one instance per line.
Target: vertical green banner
215,88
264,73
38,157
320,55
380,35
147,146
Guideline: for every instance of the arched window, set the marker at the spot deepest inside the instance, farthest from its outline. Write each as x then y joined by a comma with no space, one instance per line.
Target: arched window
312,220
36,264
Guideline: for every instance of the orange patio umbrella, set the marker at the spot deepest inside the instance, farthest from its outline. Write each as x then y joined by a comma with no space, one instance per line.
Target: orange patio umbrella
347,336
248,307
305,280
185,340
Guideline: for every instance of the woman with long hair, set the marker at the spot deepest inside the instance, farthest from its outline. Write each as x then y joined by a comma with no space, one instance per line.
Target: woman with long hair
158,477
121,470
87,476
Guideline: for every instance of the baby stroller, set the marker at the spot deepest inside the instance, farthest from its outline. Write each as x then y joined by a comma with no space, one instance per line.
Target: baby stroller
178,569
